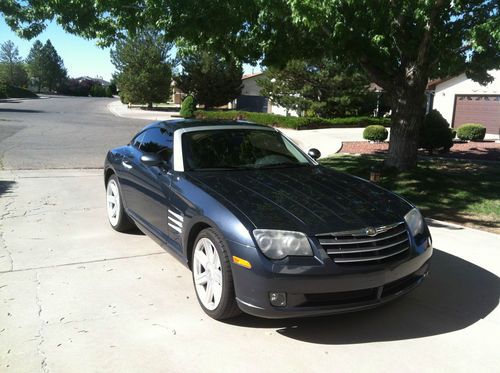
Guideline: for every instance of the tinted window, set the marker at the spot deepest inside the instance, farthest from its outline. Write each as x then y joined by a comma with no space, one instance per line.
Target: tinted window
159,141
237,148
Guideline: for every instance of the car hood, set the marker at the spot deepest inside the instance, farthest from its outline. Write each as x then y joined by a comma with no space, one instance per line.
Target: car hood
308,199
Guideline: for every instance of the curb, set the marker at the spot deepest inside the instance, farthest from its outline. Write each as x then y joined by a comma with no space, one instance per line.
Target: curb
446,224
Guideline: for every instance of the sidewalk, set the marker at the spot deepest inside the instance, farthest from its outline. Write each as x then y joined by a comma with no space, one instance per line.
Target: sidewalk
328,143
121,110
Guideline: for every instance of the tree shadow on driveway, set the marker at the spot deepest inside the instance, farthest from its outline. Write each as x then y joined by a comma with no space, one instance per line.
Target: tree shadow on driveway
6,186
8,110
455,295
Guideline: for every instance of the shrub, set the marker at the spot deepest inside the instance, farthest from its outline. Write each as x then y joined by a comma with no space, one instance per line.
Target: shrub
98,90
3,90
375,133
109,91
297,123
435,133
18,92
471,131
188,107
74,87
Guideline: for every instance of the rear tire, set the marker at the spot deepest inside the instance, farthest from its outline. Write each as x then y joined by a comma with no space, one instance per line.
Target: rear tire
117,217
212,276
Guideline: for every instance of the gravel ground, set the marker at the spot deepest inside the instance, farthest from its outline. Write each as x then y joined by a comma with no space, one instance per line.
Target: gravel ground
483,150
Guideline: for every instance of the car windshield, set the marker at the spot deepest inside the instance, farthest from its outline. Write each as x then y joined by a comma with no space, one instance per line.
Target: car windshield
239,149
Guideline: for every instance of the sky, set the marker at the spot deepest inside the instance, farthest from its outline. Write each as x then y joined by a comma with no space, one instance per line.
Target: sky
81,57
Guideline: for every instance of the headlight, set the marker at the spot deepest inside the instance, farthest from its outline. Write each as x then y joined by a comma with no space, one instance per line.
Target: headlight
415,222
278,244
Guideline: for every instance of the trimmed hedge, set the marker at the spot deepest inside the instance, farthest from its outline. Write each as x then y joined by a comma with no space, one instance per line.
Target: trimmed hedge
471,131
188,107
435,133
297,123
375,133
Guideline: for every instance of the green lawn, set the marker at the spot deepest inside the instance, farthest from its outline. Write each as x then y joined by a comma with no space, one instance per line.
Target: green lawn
457,191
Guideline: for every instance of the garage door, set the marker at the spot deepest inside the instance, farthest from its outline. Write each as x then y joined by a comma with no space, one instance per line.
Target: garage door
483,109
252,103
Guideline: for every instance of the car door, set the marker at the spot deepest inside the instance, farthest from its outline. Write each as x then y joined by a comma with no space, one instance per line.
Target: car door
148,187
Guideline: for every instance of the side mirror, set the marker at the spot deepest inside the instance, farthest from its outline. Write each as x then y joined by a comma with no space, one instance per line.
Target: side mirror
151,159
314,153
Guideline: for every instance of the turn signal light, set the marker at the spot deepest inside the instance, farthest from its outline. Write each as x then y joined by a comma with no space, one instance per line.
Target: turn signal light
242,262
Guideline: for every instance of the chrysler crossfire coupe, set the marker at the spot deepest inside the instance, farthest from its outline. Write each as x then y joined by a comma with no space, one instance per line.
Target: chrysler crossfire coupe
263,227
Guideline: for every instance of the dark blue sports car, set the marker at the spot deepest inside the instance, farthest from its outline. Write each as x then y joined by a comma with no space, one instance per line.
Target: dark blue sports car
262,226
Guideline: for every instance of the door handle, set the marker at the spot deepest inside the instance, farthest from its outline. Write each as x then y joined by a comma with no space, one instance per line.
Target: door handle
126,163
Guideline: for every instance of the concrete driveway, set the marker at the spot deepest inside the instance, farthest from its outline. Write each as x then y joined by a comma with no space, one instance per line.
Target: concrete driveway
75,296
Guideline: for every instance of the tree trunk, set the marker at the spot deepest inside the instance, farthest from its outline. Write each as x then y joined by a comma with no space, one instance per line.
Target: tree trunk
150,105
407,114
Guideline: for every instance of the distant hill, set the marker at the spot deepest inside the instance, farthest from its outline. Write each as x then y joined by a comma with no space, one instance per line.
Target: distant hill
9,91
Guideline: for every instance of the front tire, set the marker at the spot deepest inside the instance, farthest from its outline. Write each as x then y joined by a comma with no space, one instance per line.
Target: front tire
212,276
117,217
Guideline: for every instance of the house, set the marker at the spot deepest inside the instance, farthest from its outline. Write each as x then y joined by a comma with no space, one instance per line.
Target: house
177,94
461,100
97,80
252,100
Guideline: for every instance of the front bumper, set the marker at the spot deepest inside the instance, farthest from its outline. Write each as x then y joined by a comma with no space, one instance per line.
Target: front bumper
324,290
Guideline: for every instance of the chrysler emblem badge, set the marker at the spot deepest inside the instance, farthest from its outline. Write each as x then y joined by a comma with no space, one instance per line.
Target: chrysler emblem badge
370,231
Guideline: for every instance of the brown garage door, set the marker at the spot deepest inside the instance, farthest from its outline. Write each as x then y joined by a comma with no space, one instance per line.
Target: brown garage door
482,109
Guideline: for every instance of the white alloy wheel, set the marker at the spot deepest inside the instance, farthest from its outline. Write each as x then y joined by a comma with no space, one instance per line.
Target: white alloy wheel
113,202
207,274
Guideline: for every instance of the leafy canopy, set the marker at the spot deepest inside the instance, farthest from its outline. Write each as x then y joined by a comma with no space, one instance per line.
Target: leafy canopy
390,36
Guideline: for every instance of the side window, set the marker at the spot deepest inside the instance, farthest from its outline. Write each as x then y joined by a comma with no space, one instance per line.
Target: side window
136,142
159,141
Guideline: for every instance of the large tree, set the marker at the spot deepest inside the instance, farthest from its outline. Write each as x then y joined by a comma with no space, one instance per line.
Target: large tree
12,69
45,66
399,43
53,73
35,64
144,70
325,88
212,79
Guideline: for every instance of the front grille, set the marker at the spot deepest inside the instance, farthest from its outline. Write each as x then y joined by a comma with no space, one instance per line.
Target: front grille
367,246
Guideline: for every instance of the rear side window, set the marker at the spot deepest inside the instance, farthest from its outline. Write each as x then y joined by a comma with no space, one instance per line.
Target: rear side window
159,141
136,142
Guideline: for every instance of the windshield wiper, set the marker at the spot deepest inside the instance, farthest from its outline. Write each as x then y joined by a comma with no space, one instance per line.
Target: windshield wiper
281,165
225,168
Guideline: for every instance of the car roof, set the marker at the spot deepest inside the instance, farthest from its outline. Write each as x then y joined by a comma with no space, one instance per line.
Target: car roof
176,124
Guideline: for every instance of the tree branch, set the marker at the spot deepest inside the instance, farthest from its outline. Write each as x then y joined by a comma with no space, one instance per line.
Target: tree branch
424,47
377,75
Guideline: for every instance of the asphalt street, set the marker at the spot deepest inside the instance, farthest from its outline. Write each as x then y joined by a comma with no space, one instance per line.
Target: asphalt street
60,132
